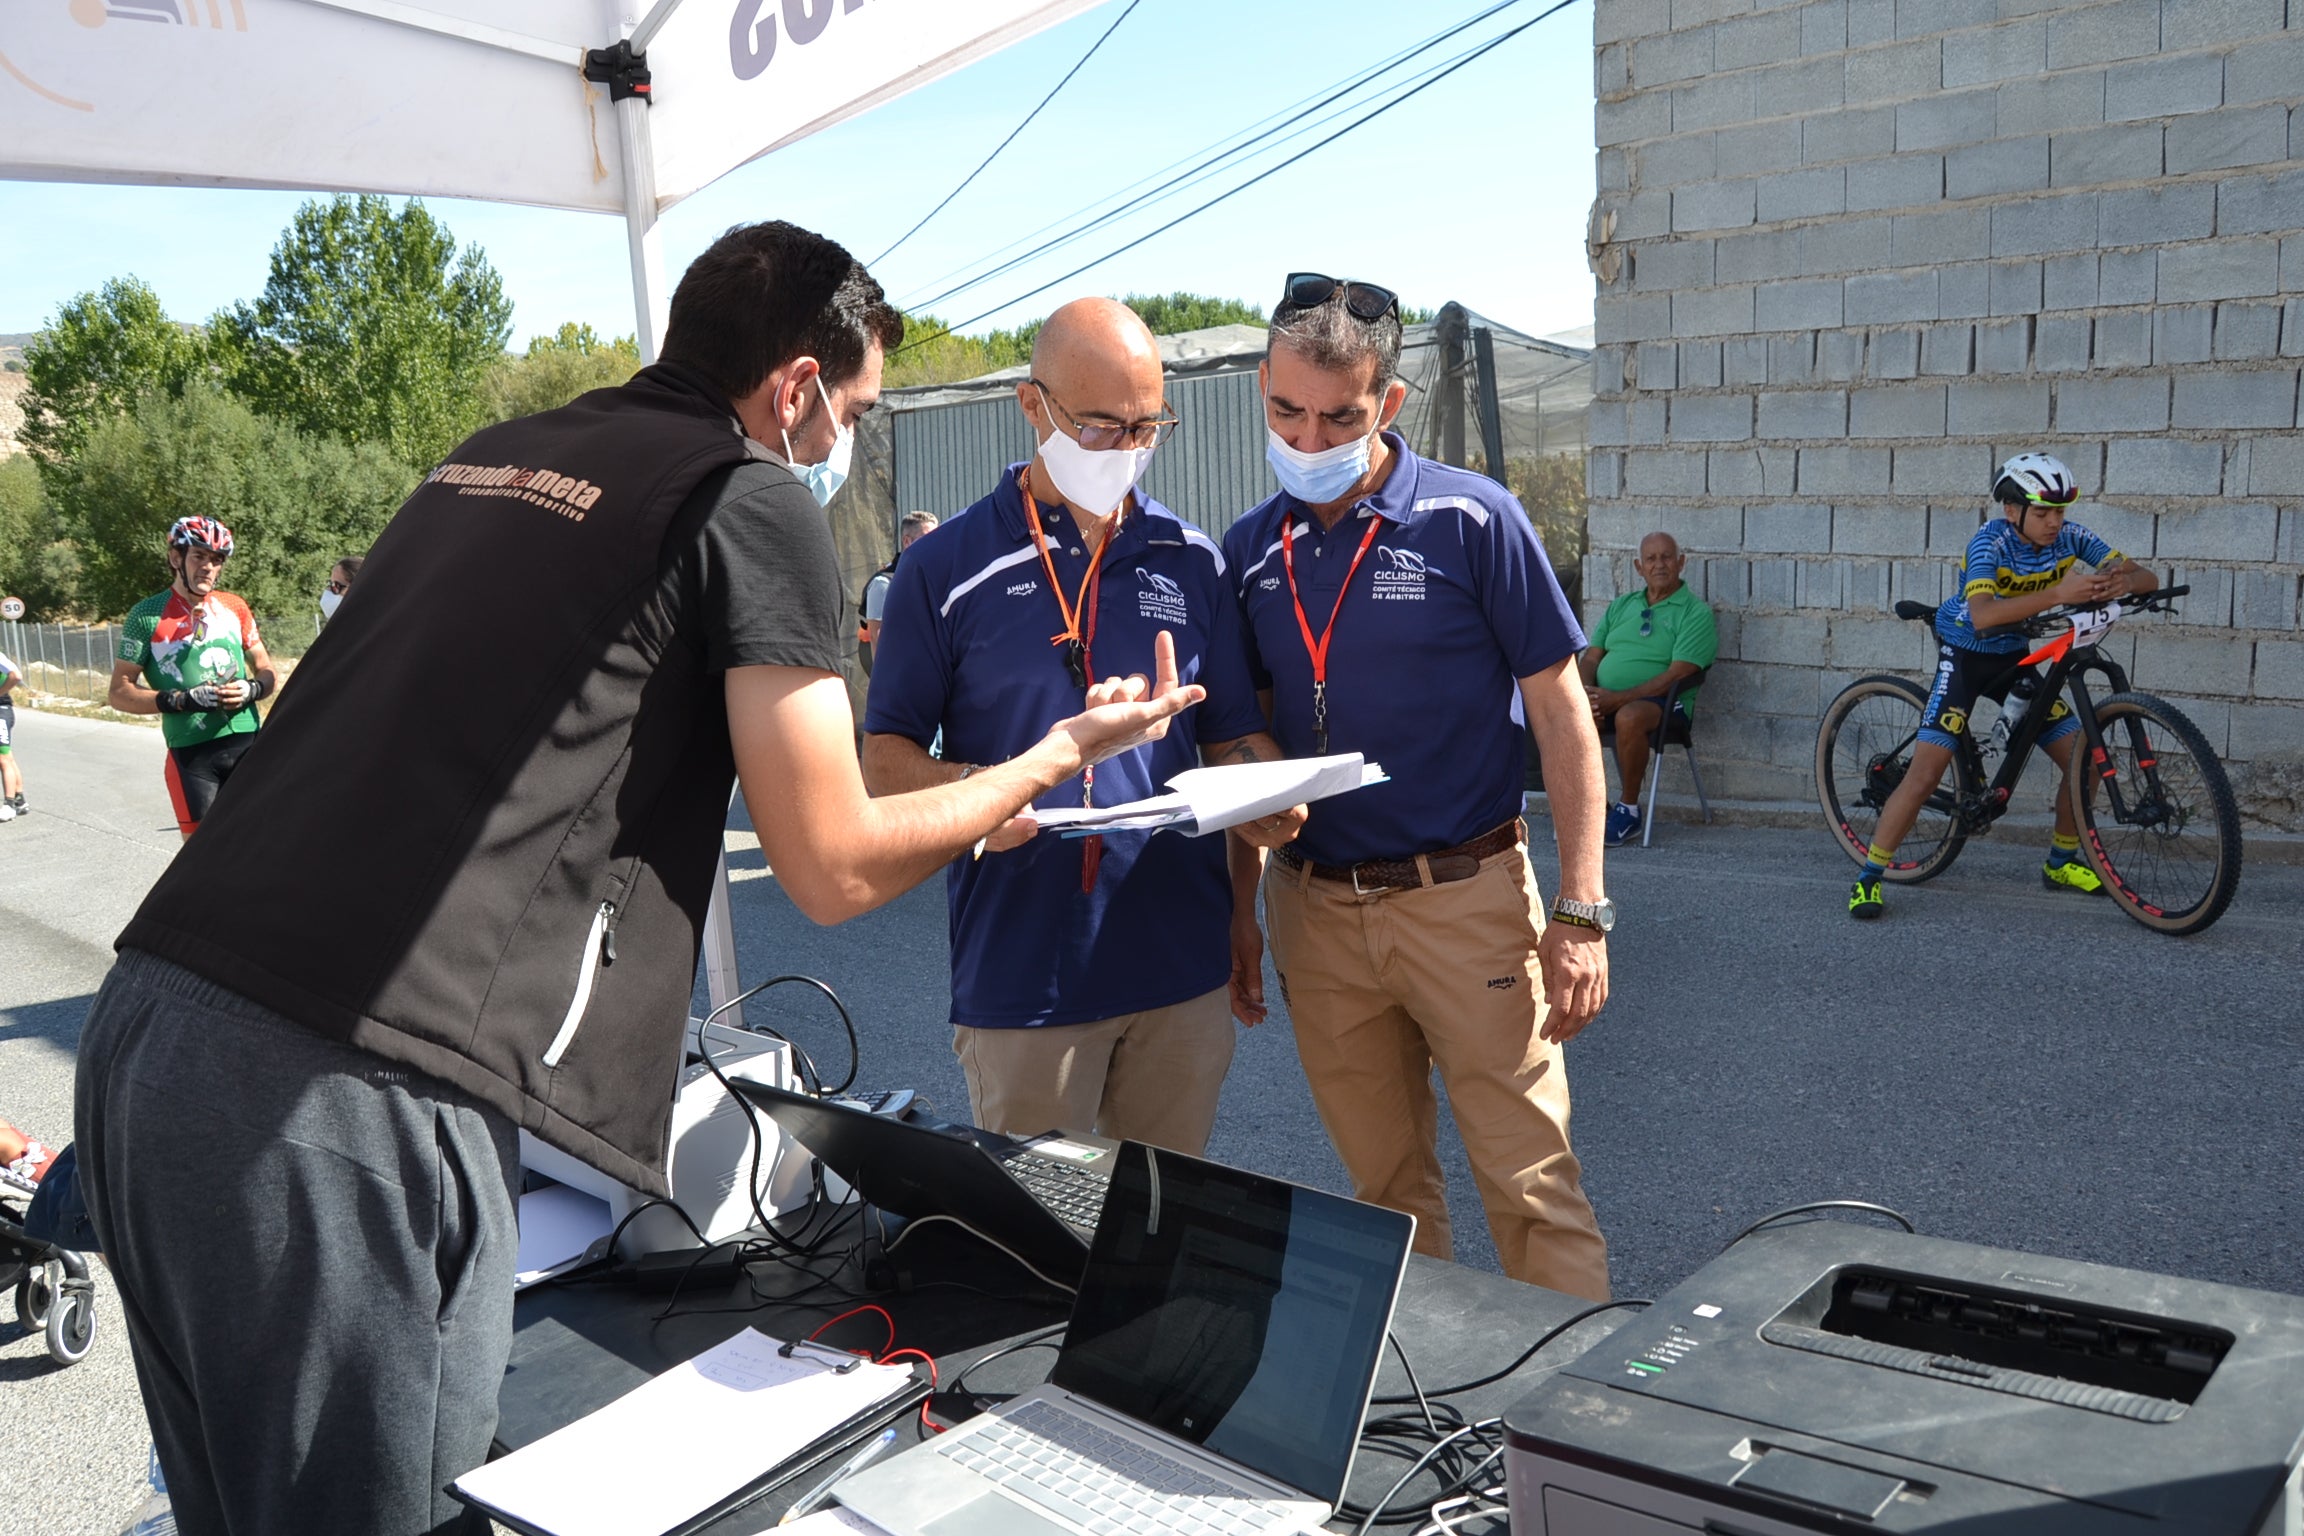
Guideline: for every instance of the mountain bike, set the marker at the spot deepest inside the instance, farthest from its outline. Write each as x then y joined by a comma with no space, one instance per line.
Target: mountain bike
2157,819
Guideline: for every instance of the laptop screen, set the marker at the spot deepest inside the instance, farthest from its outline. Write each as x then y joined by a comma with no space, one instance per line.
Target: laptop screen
1236,1312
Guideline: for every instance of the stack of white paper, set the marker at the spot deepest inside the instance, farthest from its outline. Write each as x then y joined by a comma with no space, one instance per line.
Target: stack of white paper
1211,799
674,1446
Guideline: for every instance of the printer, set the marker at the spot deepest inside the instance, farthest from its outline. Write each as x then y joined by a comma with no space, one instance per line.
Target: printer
1832,1377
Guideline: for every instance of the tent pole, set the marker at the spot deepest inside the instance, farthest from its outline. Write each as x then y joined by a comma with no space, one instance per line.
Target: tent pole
649,307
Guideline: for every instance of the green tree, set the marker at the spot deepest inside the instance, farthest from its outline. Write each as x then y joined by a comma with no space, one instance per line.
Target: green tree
371,328
295,502
101,353
37,563
1167,314
557,369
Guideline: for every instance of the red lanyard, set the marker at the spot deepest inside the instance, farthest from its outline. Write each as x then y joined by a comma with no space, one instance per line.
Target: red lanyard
1079,634
1318,649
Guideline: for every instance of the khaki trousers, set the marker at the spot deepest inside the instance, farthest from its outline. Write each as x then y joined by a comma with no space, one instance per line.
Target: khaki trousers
1385,987
1152,1077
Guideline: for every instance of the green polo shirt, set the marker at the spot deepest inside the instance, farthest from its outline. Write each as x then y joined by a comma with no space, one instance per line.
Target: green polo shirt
1679,629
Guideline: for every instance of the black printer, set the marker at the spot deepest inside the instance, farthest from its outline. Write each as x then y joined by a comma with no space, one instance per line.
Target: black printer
1831,1377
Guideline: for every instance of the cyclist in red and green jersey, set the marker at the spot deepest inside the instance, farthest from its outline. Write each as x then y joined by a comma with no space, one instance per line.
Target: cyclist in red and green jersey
191,655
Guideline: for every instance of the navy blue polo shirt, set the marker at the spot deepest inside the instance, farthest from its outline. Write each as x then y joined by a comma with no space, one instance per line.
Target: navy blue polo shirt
964,648
1453,603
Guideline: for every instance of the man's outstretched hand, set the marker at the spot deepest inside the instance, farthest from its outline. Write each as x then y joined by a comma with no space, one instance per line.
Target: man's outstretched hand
1126,712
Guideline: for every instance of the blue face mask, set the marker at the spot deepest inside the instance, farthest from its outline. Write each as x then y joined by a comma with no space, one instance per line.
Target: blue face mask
1318,478
824,480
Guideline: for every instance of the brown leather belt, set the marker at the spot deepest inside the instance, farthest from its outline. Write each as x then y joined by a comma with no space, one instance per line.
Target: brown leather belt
1461,862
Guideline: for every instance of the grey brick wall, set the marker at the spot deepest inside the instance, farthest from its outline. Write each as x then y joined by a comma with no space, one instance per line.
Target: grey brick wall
1869,248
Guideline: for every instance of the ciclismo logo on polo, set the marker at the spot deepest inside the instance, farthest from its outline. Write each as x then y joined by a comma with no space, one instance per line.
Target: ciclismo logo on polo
1400,574
1159,598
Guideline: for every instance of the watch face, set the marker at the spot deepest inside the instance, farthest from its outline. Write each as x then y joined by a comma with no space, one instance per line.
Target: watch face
1604,913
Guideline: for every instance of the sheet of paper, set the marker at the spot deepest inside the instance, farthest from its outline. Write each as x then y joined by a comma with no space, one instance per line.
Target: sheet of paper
674,1446
1206,800
830,1522
558,1225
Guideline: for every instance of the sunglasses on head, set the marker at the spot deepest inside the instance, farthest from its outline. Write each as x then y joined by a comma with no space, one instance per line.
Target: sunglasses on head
1365,301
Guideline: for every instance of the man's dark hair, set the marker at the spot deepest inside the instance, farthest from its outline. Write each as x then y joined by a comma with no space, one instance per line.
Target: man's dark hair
1331,337
350,566
764,294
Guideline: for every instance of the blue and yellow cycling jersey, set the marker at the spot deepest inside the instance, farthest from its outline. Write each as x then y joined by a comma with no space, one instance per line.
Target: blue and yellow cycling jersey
2001,562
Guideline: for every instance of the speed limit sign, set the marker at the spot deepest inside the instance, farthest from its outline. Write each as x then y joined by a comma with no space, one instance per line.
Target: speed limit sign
11,607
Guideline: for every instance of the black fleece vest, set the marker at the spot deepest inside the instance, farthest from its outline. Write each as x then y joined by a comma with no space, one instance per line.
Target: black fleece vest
478,834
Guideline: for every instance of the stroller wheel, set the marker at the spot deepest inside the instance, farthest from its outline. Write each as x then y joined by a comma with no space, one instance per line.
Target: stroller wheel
72,1327
35,1294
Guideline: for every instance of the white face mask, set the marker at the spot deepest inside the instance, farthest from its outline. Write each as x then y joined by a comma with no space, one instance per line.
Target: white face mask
329,602
824,479
1094,480
1316,479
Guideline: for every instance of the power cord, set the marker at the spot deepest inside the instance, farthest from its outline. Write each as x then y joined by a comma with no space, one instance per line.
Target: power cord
1866,1206
917,1222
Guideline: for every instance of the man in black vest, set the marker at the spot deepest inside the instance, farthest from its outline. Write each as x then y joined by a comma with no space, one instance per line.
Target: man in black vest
300,1085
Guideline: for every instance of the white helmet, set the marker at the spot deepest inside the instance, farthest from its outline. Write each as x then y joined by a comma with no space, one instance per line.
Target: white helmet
2035,480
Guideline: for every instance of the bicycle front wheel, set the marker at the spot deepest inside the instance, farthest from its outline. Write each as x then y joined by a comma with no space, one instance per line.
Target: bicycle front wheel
1863,750
2157,816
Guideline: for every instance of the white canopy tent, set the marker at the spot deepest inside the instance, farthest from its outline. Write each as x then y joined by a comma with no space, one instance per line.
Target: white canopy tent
608,106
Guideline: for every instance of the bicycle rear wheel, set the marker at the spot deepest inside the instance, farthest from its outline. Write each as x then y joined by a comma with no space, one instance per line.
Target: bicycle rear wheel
2157,816
1863,750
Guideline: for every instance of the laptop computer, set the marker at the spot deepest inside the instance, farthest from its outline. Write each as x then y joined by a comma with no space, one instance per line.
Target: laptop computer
1213,1379
1039,1196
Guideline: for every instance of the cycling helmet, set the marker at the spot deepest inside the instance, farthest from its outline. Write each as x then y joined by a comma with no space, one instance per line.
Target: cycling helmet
2035,480
200,533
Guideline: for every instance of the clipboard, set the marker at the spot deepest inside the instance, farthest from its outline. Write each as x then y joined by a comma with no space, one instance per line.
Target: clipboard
552,1495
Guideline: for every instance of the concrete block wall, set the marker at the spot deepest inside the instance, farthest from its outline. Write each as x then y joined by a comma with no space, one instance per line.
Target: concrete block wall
1854,253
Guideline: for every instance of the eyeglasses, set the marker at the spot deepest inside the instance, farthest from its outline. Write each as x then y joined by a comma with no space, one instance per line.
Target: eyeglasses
338,587
1100,433
1365,301
1647,622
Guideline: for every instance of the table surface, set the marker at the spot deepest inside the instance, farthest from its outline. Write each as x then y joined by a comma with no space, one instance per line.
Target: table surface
580,1344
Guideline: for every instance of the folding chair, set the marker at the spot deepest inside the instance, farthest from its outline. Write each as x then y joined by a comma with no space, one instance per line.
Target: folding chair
1674,730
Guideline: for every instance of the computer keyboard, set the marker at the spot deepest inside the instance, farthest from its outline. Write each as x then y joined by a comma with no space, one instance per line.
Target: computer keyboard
1104,1483
1071,1191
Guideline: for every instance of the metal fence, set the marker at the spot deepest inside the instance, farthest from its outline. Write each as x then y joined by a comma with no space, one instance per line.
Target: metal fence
74,661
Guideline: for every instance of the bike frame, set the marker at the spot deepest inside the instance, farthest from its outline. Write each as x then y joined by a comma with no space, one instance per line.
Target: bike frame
1975,804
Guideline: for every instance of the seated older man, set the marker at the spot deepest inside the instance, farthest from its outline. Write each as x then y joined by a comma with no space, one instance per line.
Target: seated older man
1649,639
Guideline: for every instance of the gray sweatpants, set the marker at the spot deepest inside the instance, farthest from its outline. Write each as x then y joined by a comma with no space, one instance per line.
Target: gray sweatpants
314,1250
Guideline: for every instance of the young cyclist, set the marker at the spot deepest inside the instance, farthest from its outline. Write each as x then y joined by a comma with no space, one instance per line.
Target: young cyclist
2027,561
192,656
11,777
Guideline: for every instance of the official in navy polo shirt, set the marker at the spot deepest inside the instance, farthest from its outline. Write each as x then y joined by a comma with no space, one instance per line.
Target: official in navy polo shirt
1089,976
1405,610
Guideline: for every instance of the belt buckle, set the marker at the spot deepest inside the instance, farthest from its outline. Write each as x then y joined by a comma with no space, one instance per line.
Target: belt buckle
1362,891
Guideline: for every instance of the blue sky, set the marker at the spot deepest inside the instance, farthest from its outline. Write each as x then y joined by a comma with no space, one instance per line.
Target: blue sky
1475,190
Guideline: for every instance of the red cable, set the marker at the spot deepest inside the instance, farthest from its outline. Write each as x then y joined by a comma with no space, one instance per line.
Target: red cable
921,1355
853,1311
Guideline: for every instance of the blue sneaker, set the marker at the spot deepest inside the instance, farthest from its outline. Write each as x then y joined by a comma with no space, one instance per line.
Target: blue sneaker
1623,825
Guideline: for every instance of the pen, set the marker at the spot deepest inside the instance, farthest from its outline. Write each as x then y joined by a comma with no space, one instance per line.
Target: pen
856,1463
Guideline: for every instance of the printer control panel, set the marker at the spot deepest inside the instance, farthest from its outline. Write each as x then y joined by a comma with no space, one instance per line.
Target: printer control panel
1662,1355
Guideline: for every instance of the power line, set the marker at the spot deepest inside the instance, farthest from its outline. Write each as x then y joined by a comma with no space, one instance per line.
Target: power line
1201,162
1488,47
1004,143
1216,159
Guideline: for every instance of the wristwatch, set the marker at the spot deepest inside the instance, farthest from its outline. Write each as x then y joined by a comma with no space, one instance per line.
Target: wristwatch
1600,915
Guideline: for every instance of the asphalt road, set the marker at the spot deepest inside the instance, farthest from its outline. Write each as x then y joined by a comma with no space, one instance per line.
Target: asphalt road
2002,1064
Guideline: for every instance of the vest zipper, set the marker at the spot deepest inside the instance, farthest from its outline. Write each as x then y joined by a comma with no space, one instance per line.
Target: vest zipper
599,951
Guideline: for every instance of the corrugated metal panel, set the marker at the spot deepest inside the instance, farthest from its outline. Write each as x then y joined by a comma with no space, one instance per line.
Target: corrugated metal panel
1209,473
1213,469
948,458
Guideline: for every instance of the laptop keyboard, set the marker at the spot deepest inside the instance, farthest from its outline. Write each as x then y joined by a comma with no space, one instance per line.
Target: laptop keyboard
1104,1483
1074,1193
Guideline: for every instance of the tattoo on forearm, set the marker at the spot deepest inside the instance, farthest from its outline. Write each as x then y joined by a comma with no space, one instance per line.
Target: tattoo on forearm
1242,751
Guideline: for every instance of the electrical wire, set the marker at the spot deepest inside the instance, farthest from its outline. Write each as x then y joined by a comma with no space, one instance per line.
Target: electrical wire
1208,160
1821,1205
1527,1354
1414,1385
1004,143
1404,96
917,1222
1044,1338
